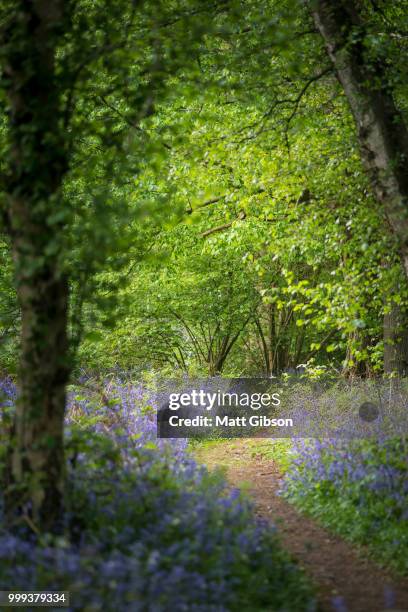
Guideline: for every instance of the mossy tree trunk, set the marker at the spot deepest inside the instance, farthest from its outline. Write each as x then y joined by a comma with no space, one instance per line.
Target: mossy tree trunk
395,341
381,129
35,220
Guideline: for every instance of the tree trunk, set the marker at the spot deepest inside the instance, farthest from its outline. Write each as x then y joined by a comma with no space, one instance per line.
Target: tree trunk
395,341
381,130
266,348
36,168
271,338
37,461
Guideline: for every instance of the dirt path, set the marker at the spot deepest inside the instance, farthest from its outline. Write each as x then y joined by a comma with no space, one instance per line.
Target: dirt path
347,581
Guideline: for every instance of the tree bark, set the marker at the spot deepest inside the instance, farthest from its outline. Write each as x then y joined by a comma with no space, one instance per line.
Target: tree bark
37,165
381,130
265,347
271,338
395,341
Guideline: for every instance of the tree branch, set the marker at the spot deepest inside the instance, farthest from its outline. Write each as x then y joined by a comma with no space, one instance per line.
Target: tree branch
221,228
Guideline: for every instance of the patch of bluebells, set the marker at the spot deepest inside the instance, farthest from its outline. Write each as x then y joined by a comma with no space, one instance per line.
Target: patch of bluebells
359,488
146,528
126,413
8,393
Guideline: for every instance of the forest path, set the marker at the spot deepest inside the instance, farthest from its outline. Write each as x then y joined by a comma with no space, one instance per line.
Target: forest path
346,580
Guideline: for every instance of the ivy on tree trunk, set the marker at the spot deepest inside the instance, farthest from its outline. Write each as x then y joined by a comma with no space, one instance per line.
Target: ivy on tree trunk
35,221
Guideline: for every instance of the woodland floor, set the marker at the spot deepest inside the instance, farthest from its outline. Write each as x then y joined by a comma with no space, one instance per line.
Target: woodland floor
336,567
